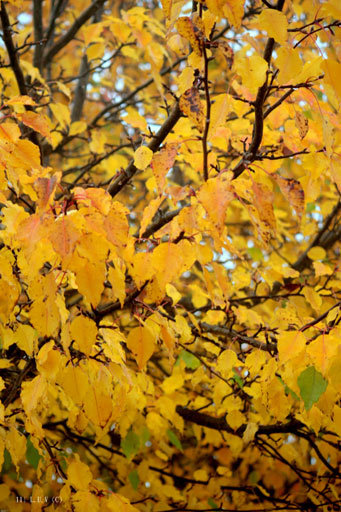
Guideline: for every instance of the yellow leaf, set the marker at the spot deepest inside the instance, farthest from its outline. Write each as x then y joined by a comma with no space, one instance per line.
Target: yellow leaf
90,280
98,141
61,113
274,23
149,213
84,331
322,350
173,293
290,345
317,253
235,419
185,80
112,347
289,63
312,297
321,269
332,74
98,406
215,194
74,382
200,474
170,384
226,361
141,342
116,276
77,127
21,100
188,29
32,393
16,445
79,474
162,161
250,432
252,71
4,492
116,224
142,157
167,7
48,360
95,51
135,119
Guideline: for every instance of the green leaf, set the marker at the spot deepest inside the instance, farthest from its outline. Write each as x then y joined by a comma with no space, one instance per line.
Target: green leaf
237,378
144,436
190,360
174,439
32,455
212,503
255,253
134,479
310,207
312,385
7,461
130,444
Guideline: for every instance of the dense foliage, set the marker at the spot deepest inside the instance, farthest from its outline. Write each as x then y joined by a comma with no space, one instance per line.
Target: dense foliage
170,178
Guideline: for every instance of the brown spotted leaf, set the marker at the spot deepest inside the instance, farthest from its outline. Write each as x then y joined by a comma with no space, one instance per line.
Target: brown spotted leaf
191,33
227,51
293,192
191,106
302,124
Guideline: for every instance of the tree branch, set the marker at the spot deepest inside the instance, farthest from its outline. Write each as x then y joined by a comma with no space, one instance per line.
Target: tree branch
38,33
117,184
69,35
220,423
14,61
257,135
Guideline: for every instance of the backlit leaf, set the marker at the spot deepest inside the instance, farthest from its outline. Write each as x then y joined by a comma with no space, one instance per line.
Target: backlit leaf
312,385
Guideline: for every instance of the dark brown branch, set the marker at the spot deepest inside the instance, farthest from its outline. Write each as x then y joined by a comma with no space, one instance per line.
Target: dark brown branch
160,222
258,126
11,50
14,62
324,238
80,91
220,423
207,115
217,329
38,33
117,184
56,10
70,34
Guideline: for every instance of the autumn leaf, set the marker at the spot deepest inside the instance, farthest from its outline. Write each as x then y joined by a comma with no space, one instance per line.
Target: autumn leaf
188,29
293,192
191,106
141,342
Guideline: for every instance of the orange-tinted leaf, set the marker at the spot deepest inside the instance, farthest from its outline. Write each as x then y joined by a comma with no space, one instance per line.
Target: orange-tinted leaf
45,188
302,124
263,204
141,342
293,192
162,161
214,195
37,122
